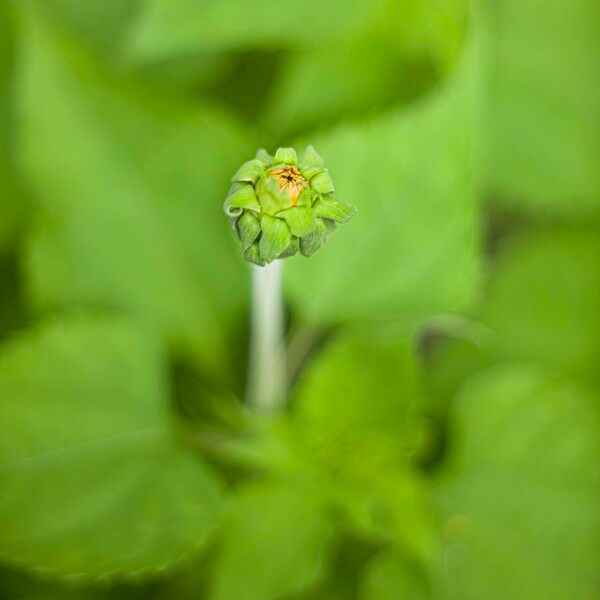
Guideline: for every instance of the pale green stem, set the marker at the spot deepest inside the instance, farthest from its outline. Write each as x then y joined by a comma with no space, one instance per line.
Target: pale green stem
267,370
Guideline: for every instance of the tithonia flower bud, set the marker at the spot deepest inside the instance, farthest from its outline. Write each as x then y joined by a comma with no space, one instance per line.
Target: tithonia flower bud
279,207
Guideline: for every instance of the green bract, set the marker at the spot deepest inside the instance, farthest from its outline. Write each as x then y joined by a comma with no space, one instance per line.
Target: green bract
278,206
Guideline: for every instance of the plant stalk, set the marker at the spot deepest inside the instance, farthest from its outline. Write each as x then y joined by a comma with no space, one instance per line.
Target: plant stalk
266,387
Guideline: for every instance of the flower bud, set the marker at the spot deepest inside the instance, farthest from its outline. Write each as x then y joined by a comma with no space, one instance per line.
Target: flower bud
278,206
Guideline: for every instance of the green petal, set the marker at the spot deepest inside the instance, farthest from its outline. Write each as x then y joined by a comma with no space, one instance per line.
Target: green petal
311,162
264,157
250,171
306,198
329,207
241,196
314,240
301,220
274,239
292,248
286,155
322,182
248,227
253,255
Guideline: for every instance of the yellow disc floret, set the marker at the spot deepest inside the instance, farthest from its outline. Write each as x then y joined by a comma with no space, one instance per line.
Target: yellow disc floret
290,180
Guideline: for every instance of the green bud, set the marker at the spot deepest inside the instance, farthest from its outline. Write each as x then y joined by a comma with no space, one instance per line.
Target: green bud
279,205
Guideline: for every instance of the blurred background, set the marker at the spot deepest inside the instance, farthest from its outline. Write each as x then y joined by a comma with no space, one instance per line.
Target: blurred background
442,434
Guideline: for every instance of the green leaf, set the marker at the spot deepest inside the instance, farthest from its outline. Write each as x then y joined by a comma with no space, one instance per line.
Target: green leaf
300,219
451,361
359,397
394,61
128,193
543,122
19,586
360,75
192,74
521,489
390,576
329,207
544,298
311,242
101,24
356,422
387,505
249,228
187,26
412,251
94,485
13,308
275,543
274,239
286,156
9,195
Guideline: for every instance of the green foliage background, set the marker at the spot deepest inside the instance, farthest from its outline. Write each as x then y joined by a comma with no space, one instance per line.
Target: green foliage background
443,430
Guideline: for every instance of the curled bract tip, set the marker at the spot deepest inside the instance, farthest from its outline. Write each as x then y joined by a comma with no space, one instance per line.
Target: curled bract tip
278,205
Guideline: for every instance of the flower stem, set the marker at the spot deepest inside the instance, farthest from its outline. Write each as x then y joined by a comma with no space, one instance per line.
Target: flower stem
267,371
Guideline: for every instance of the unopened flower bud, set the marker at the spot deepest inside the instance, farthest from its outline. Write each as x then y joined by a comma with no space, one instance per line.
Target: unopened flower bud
278,206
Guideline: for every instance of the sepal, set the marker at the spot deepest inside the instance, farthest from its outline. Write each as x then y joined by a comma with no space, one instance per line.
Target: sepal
242,196
274,238
300,220
328,207
248,227
322,182
286,156
314,240
250,172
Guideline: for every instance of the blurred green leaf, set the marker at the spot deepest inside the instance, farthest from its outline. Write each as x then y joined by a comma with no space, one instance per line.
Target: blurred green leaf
357,421
390,576
452,348
434,28
395,60
358,400
543,300
411,251
521,489
350,554
543,108
169,28
103,24
131,188
349,80
17,586
93,483
206,72
13,313
388,505
275,543
9,198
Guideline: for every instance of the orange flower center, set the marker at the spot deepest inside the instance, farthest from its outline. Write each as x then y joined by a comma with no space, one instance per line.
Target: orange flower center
290,180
